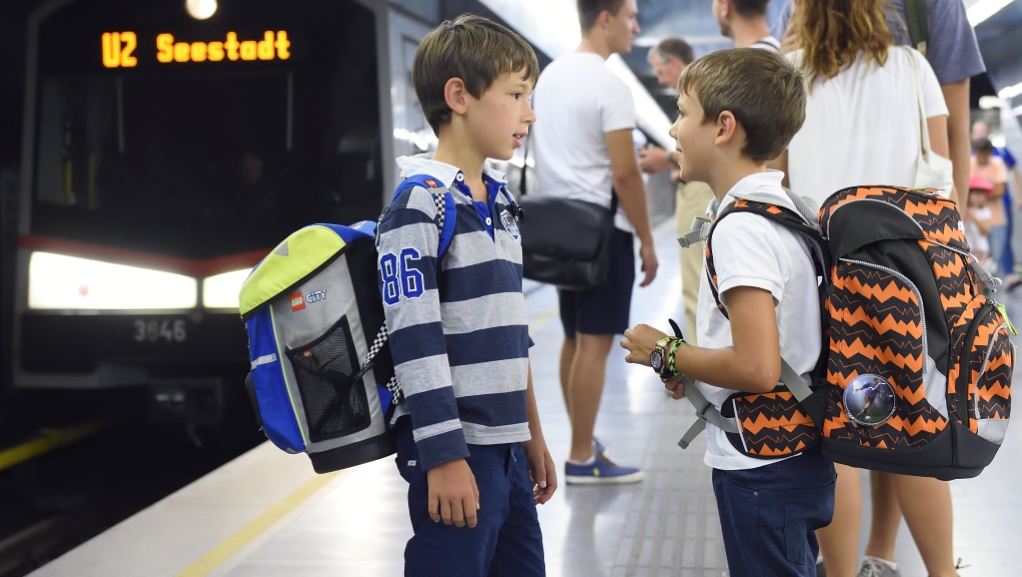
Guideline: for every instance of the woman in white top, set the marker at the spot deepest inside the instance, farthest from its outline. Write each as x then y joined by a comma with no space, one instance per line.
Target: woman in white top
862,126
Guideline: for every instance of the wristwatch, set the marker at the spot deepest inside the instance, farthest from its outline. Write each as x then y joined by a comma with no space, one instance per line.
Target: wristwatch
658,358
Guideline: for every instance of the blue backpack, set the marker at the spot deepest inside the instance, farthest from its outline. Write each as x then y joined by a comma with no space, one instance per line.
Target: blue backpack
322,379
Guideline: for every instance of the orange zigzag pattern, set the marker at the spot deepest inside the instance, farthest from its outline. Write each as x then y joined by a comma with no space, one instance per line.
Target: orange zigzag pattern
887,324
882,294
949,270
789,424
957,300
988,394
885,355
919,425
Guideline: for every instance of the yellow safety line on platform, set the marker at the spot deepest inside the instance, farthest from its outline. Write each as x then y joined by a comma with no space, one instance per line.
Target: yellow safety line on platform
225,550
542,319
230,546
48,440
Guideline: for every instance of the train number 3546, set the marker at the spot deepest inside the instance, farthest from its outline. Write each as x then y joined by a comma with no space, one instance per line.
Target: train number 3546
154,330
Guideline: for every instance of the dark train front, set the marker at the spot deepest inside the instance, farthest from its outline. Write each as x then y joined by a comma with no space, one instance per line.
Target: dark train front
164,155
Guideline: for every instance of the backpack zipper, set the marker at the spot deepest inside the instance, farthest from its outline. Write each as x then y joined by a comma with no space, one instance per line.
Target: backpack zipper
962,386
983,369
919,297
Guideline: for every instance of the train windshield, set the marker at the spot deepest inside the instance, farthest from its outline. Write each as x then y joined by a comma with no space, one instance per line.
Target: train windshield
201,159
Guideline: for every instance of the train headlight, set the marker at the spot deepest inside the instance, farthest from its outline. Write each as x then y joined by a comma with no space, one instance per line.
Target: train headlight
60,282
200,9
221,291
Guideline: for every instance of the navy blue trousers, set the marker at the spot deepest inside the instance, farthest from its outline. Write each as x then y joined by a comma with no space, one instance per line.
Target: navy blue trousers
506,542
768,515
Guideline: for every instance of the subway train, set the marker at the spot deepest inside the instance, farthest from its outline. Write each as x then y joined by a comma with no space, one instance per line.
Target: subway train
165,152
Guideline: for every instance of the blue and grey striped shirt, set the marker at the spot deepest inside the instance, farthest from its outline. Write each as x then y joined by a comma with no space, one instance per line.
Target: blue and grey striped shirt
459,331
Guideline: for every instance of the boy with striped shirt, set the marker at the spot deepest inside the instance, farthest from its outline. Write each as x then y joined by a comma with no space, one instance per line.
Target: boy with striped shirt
469,438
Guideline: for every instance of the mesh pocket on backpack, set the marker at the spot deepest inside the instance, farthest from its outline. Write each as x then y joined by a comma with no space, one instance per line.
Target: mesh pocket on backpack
333,394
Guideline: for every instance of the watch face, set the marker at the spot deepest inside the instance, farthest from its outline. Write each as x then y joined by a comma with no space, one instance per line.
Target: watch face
656,359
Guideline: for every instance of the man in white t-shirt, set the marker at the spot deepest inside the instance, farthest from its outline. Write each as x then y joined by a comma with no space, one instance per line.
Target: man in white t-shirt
737,110
744,21
584,151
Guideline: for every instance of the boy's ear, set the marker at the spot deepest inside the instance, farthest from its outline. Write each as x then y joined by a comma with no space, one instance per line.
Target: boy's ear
456,95
727,128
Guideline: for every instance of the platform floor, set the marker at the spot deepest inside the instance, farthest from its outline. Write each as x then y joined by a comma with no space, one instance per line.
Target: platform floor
267,514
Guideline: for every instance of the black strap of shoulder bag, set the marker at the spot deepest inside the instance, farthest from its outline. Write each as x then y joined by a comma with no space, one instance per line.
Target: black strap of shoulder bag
918,29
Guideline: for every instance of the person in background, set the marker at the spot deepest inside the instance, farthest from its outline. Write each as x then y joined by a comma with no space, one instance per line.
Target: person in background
952,52
863,127
669,59
980,129
1012,202
744,21
991,167
978,218
585,151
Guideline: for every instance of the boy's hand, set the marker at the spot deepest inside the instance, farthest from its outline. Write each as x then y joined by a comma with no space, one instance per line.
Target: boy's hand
676,386
640,341
541,469
453,494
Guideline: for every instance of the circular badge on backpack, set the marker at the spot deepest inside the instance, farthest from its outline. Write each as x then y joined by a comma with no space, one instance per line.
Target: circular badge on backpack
869,400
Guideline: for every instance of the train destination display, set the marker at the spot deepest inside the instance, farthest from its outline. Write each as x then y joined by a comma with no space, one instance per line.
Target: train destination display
119,49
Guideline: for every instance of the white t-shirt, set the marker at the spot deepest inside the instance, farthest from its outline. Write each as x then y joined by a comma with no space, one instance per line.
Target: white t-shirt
862,126
977,240
578,99
749,250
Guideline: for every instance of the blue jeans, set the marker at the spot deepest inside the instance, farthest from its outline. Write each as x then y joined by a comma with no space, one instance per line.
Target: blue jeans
768,515
506,542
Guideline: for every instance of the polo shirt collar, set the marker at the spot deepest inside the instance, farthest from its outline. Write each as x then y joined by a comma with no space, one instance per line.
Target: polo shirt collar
445,173
768,182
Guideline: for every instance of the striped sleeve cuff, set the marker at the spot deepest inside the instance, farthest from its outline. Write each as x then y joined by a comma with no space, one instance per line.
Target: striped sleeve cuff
438,449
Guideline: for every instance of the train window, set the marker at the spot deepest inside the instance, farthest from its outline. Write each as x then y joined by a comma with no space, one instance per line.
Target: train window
201,159
166,147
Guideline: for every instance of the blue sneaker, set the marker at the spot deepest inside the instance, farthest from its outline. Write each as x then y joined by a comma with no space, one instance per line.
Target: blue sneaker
602,471
598,447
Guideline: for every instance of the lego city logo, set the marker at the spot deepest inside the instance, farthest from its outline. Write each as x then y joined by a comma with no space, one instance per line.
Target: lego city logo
119,49
298,301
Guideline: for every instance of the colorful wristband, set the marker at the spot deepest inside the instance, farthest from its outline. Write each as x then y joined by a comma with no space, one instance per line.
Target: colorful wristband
670,357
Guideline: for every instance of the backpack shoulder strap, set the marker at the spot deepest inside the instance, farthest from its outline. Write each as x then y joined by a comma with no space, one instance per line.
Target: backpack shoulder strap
444,201
809,231
802,222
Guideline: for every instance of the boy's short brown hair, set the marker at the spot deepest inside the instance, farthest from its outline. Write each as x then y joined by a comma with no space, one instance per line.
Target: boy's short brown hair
762,89
476,50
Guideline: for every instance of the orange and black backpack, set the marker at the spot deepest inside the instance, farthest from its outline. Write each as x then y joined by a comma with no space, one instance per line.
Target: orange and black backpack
917,377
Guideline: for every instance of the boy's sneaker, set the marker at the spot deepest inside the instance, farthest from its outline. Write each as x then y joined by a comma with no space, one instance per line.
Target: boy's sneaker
876,567
601,471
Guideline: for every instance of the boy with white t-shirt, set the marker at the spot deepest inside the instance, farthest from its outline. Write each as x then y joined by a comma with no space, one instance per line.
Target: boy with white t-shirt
739,109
